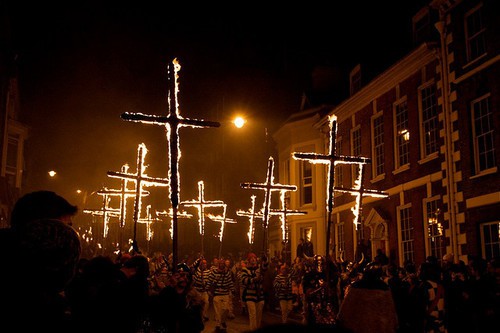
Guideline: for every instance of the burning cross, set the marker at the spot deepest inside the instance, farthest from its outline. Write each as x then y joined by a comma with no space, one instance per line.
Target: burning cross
358,191
141,180
171,214
283,213
106,212
222,220
251,214
172,122
332,160
200,205
269,186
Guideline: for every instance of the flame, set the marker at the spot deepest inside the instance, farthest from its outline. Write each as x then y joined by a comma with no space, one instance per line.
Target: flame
201,204
251,214
170,213
222,220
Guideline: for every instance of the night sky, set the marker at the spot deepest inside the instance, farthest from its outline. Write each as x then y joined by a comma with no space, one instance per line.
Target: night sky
82,65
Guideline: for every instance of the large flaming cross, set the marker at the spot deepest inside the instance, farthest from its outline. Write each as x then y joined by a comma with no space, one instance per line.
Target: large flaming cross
141,180
332,160
269,186
251,214
200,204
106,212
172,122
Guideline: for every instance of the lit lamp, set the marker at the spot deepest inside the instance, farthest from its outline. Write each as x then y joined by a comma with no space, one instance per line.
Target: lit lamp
52,173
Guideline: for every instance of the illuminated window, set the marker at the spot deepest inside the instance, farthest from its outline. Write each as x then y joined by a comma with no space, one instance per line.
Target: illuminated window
475,32
435,235
407,236
402,134
307,182
429,120
378,144
483,134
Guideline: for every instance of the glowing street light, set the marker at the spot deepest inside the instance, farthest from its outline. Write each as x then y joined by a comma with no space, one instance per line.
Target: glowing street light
52,173
239,122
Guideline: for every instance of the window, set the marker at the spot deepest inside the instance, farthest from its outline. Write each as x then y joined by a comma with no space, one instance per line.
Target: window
355,150
429,120
339,171
475,33
490,239
483,134
402,134
378,144
435,236
407,237
306,184
340,239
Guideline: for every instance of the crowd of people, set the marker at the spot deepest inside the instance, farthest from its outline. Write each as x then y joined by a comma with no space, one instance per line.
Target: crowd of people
48,286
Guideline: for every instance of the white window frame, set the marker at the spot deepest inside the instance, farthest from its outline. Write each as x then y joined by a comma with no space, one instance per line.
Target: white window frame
429,144
490,239
378,151
488,135
477,36
401,134
406,232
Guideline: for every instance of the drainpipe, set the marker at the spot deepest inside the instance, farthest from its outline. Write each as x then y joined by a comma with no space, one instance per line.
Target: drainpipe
448,139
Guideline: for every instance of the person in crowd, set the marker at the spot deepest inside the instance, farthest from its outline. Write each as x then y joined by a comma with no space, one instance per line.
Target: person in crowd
44,261
308,248
39,240
381,258
368,306
229,268
283,288
300,248
221,284
430,276
319,285
179,307
200,283
251,278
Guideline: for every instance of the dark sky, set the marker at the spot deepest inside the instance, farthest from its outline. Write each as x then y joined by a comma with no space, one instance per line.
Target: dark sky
83,64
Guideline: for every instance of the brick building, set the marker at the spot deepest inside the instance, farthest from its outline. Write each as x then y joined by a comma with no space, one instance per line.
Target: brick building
428,125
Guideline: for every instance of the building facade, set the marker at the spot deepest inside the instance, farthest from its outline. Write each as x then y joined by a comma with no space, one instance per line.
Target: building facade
429,124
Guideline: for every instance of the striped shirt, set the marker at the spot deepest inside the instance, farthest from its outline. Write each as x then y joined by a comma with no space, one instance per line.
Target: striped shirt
200,282
220,282
282,285
251,280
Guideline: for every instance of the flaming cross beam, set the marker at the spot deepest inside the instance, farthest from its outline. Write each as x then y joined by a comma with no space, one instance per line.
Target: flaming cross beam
251,214
124,193
172,122
222,220
106,212
359,192
269,186
141,180
201,204
170,214
283,213
148,220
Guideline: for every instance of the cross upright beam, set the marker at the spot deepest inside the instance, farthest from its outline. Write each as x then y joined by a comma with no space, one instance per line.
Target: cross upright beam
172,122
252,215
106,212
